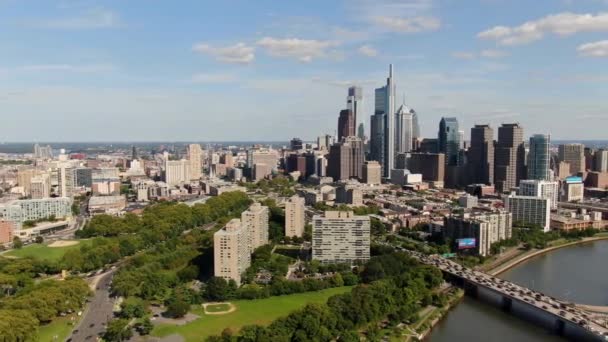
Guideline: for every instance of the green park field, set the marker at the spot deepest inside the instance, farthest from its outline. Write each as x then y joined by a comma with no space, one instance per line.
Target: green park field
43,251
260,311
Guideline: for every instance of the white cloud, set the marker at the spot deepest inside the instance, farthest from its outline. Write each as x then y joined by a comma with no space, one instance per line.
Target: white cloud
407,25
493,53
239,53
98,18
464,55
213,78
368,51
67,68
562,24
595,49
304,50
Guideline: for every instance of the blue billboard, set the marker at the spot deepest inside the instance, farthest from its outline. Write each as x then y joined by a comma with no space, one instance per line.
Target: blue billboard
466,243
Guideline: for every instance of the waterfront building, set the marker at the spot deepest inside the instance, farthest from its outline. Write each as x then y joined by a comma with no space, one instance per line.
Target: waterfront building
530,210
485,227
540,188
539,157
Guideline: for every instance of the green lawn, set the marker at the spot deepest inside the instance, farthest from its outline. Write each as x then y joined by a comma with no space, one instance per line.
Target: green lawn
261,311
59,327
42,251
217,307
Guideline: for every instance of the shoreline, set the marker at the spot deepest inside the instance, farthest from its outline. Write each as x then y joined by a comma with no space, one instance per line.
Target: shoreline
527,256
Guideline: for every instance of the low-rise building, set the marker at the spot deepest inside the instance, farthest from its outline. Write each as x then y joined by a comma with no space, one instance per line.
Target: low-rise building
112,205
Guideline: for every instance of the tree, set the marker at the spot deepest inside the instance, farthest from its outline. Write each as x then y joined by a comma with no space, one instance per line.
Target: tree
177,307
39,239
217,289
118,330
17,243
132,307
145,327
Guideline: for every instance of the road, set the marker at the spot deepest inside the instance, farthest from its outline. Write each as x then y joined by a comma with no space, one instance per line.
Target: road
97,313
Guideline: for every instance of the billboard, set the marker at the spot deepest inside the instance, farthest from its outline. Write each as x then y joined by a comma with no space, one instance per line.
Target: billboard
466,243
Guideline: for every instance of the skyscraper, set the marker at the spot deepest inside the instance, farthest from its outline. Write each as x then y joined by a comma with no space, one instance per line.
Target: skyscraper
346,124
255,222
294,216
508,156
481,155
195,153
345,159
415,125
573,154
404,129
385,104
361,131
449,140
354,103
231,251
340,237
376,139
539,157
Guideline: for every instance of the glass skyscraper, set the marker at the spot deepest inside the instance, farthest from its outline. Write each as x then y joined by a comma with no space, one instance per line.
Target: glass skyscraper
539,157
449,140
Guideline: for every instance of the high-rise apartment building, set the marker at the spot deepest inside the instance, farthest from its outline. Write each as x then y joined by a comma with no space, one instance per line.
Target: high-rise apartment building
345,159
573,154
600,161
540,188
340,237
430,165
530,210
481,155
509,157
40,186
177,172
449,140
255,222
539,157
485,227
43,152
572,189
231,252
294,217
195,161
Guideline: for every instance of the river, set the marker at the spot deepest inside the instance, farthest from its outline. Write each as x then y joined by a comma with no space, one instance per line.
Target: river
577,273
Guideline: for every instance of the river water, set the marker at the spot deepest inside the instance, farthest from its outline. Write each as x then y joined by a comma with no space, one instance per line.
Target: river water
578,274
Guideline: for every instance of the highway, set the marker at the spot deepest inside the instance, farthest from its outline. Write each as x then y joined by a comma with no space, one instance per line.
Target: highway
97,313
564,310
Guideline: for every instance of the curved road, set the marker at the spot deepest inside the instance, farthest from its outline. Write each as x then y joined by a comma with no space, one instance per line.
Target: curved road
97,313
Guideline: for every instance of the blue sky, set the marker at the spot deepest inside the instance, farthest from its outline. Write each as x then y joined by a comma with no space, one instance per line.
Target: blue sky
270,70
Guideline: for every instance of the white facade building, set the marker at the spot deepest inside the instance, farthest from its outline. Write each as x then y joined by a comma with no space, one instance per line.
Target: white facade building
294,217
231,251
340,237
530,210
540,188
255,222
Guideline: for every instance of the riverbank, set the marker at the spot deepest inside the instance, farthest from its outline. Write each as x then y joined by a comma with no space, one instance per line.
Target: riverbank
534,253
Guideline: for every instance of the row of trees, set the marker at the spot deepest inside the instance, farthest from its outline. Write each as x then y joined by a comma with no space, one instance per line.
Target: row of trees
533,236
395,287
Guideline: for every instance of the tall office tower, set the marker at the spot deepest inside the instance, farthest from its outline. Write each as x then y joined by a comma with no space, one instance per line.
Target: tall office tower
539,157
325,141
346,124
24,179
404,129
449,140
372,172
430,165
83,177
296,144
415,125
573,154
461,143
43,152
354,102
376,140
530,210
298,163
232,255
255,222
540,188
385,104
481,155
600,161
589,155
345,159
40,186
133,153
195,159
509,159
340,237
262,156
563,170
294,217
361,131
486,228
177,172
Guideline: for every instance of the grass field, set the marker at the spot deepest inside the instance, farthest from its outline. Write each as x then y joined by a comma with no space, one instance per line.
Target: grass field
261,311
217,308
59,327
42,251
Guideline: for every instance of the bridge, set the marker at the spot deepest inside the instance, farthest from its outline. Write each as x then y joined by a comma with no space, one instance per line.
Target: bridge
577,322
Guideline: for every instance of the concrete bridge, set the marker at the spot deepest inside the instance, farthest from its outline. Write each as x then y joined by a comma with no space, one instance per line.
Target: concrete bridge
576,322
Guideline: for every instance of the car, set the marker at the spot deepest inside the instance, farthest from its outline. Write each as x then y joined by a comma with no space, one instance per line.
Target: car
91,325
75,332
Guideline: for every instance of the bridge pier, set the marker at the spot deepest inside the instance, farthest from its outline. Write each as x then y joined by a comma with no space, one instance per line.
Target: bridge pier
471,289
559,327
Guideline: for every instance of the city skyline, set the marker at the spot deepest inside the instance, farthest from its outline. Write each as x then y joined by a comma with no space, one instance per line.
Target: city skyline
271,71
